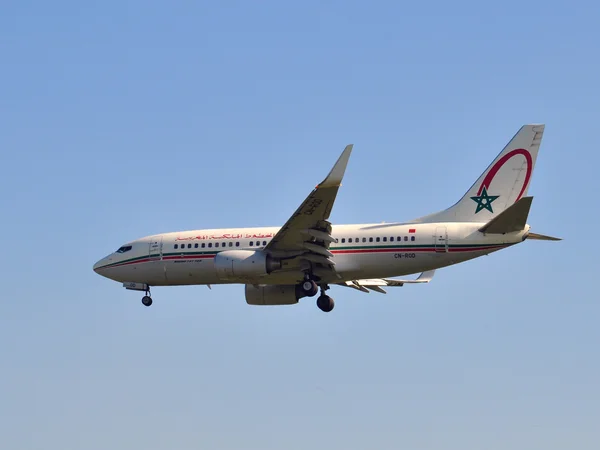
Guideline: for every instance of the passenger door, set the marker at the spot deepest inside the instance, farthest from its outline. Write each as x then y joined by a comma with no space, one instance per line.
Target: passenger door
155,249
441,240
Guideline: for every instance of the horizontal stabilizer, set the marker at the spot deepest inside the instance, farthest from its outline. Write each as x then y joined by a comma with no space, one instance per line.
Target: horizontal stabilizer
511,219
542,237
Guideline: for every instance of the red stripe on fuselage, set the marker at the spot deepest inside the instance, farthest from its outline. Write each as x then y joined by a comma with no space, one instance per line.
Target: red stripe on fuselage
171,258
335,252
382,250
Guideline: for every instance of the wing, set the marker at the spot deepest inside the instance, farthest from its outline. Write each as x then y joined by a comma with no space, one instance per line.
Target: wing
307,233
377,283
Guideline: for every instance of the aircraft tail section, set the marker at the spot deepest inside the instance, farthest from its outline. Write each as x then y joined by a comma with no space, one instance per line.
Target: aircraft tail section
504,183
512,219
542,237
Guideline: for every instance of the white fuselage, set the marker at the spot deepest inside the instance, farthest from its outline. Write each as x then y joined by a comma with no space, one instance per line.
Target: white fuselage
360,251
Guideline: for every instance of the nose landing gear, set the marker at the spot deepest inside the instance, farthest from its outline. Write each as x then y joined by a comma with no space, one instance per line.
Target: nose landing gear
142,287
146,299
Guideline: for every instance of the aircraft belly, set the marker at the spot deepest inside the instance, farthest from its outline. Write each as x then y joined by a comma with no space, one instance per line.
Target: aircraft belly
391,264
347,267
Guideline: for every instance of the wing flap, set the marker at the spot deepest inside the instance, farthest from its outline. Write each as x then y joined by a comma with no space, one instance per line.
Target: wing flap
377,289
318,249
355,285
377,284
317,258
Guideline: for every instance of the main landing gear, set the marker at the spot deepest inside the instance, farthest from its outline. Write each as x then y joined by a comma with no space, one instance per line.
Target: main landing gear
325,303
141,287
309,288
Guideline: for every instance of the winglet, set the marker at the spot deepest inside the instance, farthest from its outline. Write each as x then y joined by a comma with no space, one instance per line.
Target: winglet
334,179
426,277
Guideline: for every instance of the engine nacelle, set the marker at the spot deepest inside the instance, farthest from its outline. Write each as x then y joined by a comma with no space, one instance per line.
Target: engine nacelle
235,264
279,294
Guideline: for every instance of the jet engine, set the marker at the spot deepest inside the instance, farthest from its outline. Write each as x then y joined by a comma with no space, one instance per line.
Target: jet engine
279,294
235,264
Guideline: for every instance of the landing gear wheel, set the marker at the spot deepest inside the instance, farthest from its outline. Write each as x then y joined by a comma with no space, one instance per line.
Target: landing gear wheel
146,301
309,288
325,303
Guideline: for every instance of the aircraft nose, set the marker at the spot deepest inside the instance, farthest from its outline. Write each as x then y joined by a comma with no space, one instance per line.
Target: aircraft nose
100,264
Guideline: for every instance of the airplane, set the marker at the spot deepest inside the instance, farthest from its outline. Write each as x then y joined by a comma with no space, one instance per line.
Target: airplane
308,254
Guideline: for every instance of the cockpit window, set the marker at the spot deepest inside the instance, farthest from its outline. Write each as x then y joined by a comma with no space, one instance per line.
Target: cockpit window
124,249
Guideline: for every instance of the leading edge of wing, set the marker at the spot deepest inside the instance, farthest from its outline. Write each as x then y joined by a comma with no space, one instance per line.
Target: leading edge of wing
312,215
334,178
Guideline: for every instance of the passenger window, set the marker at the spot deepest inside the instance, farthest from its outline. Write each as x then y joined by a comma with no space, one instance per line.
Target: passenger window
377,239
399,238
176,246
237,244
356,240
216,244
343,240
203,245
384,239
209,244
196,245
392,239
349,239
405,238
231,244
370,239
189,245
257,243
412,238
251,243
264,242
364,239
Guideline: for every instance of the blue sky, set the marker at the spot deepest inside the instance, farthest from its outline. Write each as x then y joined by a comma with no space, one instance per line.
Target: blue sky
123,119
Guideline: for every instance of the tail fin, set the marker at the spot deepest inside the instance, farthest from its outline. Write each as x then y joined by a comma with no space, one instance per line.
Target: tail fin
502,184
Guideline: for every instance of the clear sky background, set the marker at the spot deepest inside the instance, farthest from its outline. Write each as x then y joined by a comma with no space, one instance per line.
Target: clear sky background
120,119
